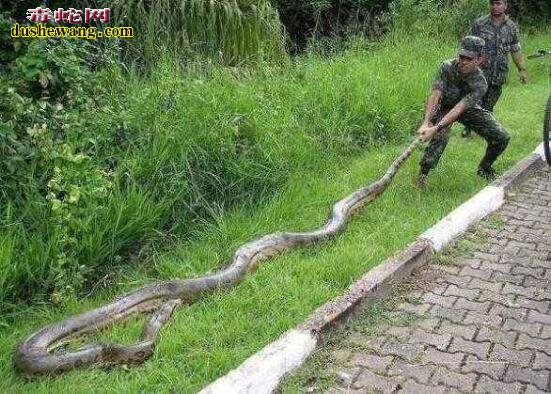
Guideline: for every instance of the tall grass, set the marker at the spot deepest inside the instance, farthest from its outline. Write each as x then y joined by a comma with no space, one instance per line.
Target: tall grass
190,146
226,31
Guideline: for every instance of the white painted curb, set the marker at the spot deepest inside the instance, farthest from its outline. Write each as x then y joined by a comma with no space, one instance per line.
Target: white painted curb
481,204
539,151
262,372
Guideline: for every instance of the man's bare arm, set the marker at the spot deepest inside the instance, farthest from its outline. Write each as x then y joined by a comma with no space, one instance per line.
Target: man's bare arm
432,105
454,114
518,58
427,132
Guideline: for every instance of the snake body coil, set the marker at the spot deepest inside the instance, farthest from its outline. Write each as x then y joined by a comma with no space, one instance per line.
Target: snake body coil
42,352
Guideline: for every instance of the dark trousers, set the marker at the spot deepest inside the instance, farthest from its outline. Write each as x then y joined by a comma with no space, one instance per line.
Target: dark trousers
488,102
482,122
491,97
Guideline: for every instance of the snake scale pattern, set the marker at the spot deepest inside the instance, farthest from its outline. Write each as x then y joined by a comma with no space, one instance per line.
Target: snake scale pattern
43,352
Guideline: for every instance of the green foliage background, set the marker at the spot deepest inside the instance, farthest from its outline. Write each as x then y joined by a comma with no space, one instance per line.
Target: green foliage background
110,147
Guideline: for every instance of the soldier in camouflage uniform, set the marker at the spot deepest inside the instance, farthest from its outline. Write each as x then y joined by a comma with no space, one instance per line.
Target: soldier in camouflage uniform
457,92
501,35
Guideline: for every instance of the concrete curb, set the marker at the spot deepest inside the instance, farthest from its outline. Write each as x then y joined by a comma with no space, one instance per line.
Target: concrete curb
262,372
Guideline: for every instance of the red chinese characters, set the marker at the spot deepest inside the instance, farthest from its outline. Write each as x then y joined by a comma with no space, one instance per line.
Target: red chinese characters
39,14
93,14
71,15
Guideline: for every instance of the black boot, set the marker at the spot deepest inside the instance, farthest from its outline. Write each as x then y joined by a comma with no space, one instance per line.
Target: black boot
487,173
492,153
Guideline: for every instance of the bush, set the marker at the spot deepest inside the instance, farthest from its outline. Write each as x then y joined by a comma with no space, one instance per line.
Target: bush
531,12
315,19
435,17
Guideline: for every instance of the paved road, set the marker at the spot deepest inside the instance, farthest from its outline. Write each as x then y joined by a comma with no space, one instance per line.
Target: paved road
477,319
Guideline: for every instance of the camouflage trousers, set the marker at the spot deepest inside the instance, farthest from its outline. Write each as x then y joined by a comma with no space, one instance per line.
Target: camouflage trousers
482,122
491,97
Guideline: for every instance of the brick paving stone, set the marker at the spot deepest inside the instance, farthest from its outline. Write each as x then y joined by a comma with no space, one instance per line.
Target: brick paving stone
537,317
460,381
453,315
500,277
475,273
545,333
341,356
465,261
495,370
356,339
407,351
481,307
526,342
501,267
482,319
505,338
450,269
438,289
439,341
479,349
543,246
444,301
542,283
450,360
498,297
539,255
461,281
518,314
428,324
370,381
456,291
421,373
375,363
521,245
540,306
488,385
512,356
538,378
466,332
485,285
542,361
521,270
534,390
510,288
412,387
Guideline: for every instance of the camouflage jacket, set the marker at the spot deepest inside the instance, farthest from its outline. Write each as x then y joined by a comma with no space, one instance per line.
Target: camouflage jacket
456,87
500,40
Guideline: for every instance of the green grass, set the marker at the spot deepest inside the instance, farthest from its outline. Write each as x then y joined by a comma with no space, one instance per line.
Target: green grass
214,335
226,32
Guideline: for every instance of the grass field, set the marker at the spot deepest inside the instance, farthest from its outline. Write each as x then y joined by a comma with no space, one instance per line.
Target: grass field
214,335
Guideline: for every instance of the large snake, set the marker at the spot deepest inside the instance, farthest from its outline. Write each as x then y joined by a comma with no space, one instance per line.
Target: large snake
43,351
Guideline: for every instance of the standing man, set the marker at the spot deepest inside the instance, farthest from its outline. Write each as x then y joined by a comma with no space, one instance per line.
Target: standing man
456,95
501,35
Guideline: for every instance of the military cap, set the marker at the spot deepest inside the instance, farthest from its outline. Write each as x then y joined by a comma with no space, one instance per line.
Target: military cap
471,46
